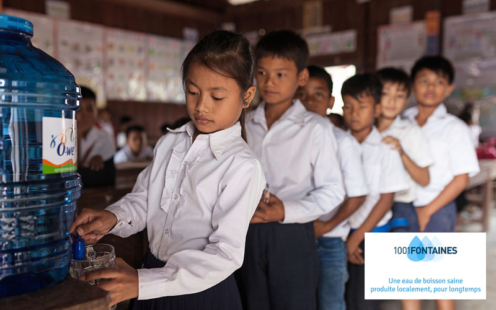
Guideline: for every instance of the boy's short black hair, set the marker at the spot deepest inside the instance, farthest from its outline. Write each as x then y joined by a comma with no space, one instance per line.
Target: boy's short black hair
363,84
132,128
395,76
438,64
87,93
321,73
284,44
125,119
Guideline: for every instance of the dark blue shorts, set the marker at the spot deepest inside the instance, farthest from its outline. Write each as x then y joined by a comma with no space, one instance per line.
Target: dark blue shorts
406,211
443,220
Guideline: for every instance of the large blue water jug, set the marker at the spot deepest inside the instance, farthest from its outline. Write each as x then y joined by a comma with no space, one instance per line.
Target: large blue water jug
39,184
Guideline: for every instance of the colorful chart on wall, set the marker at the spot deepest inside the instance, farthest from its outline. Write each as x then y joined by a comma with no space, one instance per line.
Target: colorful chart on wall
164,81
332,43
80,49
401,45
470,37
125,65
44,30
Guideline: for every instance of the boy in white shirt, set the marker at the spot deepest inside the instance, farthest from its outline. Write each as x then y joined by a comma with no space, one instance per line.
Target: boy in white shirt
406,138
332,229
384,175
297,150
136,149
450,144
96,148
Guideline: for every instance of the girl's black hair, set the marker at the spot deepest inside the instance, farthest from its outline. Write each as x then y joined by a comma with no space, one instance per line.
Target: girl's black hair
228,54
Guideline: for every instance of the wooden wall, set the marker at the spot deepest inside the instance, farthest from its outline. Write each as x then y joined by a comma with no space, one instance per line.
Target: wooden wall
340,15
147,16
168,18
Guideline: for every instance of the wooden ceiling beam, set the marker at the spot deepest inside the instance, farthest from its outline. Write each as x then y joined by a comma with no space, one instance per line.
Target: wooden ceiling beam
173,8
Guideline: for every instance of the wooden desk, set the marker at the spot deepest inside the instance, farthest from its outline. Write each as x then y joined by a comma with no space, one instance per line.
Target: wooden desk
69,294
484,178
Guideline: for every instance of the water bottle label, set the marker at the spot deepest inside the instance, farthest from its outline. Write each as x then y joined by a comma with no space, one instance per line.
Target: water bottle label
59,145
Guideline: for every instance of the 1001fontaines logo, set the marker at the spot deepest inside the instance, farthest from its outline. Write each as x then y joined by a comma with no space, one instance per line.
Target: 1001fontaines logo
425,250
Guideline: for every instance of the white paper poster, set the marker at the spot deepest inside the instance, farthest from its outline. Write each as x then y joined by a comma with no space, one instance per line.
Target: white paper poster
470,37
80,50
164,81
125,65
43,28
401,45
401,15
332,43
475,6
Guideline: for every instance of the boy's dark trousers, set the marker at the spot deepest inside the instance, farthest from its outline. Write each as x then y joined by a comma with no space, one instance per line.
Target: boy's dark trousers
355,288
280,270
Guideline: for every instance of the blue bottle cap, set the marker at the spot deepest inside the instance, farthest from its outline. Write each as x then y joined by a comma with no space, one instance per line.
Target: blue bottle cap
16,23
78,247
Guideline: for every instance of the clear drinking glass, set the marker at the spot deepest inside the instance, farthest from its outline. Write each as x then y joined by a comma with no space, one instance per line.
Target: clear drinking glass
98,257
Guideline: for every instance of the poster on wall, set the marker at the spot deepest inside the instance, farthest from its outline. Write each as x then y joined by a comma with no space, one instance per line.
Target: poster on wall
470,37
164,81
401,45
470,43
125,65
332,43
43,28
80,50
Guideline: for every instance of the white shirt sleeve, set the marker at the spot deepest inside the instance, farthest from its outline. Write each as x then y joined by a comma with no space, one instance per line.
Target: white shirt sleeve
462,156
131,210
393,175
350,158
329,191
104,146
418,149
120,156
191,271
147,152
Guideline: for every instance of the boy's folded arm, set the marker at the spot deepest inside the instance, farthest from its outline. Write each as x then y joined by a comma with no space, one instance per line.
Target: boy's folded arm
449,193
419,174
347,208
329,190
380,209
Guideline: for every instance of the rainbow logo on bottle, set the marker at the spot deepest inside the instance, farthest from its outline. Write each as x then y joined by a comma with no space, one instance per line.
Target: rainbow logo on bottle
59,145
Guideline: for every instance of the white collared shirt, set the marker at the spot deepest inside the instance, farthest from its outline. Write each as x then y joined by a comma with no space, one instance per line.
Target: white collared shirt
97,142
452,148
126,155
196,201
355,184
384,173
415,145
299,158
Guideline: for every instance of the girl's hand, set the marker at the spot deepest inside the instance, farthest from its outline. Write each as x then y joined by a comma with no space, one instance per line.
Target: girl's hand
92,225
395,143
424,217
123,284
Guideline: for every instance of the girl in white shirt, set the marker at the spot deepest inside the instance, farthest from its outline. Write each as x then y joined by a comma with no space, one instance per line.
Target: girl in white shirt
197,197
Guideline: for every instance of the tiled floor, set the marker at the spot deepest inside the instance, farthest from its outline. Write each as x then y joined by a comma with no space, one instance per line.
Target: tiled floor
490,302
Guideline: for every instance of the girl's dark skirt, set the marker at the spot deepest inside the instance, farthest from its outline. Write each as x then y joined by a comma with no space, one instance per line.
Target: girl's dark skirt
223,296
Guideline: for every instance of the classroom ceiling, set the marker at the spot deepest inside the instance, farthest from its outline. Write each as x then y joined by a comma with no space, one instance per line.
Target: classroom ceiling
216,5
